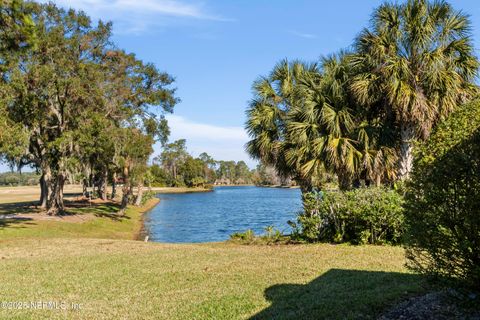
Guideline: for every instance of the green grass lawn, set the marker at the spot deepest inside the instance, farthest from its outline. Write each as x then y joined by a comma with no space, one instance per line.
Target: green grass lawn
105,223
90,220
114,279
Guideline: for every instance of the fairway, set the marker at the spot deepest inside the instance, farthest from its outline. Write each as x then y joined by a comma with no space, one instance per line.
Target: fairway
108,279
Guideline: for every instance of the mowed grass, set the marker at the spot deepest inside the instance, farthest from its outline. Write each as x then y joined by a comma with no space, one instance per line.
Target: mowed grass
85,265
101,218
106,224
112,279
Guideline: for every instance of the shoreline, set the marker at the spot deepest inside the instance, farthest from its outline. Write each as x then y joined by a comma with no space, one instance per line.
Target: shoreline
280,187
141,232
167,190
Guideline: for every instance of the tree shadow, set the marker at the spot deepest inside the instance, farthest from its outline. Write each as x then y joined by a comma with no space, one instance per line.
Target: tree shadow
73,194
18,207
107,209
113,216
15,223
73,207
340,294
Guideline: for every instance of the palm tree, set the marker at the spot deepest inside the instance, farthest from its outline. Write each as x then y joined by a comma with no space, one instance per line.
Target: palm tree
302,121
268,115
319,130
414,65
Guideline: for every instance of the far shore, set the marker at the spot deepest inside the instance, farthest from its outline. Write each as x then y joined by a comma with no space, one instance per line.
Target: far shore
254,185
279,186
178,190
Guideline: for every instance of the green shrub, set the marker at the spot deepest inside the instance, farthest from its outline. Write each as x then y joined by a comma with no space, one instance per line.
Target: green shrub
247,236
147,196
271,236
197,182
18,179
365,215
208,186
442,206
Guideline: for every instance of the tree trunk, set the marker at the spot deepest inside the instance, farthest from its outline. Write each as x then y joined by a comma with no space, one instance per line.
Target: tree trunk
85,188
114,186
305,185
55,203
126,190
345,181
103,188
138,200
378,180
43,192
44,186
407,132
94,195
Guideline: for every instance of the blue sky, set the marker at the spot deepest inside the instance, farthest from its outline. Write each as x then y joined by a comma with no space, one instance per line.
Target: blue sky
216,48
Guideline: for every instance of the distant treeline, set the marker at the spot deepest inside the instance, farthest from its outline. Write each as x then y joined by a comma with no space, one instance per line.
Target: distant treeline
19,179
175,167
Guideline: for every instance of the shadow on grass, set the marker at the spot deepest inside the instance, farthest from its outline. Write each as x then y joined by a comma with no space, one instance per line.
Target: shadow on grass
15,223
340,294
18,207
106,209
101,210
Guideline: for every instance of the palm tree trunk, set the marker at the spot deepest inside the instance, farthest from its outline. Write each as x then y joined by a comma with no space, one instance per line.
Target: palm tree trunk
378,180
407,132
305,185
344,181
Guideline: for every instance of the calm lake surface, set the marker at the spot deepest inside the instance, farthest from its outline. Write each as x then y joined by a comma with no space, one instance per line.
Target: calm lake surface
213,216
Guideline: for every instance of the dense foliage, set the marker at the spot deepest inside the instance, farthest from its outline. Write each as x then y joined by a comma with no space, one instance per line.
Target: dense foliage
19,179
366,215
175,167
270,236
358,114
442,203
74,104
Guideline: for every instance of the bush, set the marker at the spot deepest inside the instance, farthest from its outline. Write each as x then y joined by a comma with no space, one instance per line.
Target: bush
247,236
197,182
366,215
443,200
19,179
271,236
147,196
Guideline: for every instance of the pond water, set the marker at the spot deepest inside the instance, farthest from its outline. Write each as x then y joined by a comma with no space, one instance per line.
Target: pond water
213,216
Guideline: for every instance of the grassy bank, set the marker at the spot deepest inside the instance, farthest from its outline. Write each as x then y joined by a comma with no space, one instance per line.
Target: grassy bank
112,279
84,219
99,220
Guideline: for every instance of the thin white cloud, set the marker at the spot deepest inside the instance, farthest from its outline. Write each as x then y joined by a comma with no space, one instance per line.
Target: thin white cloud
135,16
304,35
221,142
181,126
